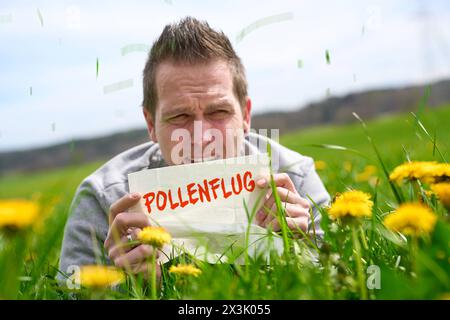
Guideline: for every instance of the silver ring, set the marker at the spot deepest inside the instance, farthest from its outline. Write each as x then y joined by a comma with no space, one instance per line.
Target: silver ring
129,237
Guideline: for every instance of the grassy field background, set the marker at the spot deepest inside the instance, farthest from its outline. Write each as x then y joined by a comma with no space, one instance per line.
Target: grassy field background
398,137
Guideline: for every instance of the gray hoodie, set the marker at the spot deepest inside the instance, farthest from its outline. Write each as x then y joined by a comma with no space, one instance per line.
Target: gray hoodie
87,226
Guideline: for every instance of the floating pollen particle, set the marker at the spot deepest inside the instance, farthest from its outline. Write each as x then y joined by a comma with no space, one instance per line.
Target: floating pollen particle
118,86
41,20
263,22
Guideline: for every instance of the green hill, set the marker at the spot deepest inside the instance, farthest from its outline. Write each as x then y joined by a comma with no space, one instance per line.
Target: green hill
389,133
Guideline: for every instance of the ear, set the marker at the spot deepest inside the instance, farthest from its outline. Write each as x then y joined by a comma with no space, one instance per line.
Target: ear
246,114
150,124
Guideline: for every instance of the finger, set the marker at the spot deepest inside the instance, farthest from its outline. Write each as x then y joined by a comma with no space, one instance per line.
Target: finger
146,269
291,210
280,180
289,200
294,224
288,196
122,222
283,180
263,182
136,267
265,208
295,210
297,224
271,215
272,212
124,245
135,256
123,204
126,220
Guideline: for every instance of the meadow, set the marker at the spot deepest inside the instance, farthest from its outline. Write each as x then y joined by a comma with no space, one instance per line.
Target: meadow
362,256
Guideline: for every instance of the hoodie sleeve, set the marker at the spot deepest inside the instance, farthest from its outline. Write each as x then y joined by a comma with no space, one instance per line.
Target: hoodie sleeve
85,231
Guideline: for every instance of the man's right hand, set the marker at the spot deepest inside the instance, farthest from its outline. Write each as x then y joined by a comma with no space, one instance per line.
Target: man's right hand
123,253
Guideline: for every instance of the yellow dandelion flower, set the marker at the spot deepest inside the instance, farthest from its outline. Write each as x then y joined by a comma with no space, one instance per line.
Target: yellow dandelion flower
352,204
439,172
348,166
442,190
154,236
98,276
444,296
425,171
18,213
420,170
320,164
185,270
411,219
367,174
373,181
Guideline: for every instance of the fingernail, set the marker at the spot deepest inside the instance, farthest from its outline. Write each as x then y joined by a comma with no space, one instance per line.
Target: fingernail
261,182
135,195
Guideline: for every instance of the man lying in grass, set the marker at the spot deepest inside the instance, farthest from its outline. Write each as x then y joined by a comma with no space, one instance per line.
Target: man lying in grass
193,77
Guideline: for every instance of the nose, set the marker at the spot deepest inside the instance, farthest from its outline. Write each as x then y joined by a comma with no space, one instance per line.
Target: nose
200,137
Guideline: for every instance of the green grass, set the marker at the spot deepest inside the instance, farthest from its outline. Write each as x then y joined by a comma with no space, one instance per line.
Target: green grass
29,258
56,182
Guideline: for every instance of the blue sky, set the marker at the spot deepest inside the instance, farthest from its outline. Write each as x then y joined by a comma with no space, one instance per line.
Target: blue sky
372,44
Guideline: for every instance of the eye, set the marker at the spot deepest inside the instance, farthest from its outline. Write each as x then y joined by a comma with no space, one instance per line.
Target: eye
179,118
218,114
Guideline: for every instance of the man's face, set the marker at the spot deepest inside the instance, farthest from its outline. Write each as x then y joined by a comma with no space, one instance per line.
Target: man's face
196,104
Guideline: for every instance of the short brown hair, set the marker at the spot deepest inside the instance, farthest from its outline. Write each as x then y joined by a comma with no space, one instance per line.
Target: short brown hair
191,41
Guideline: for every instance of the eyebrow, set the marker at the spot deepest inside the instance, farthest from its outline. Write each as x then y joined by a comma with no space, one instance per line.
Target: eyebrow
217,105
186,109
